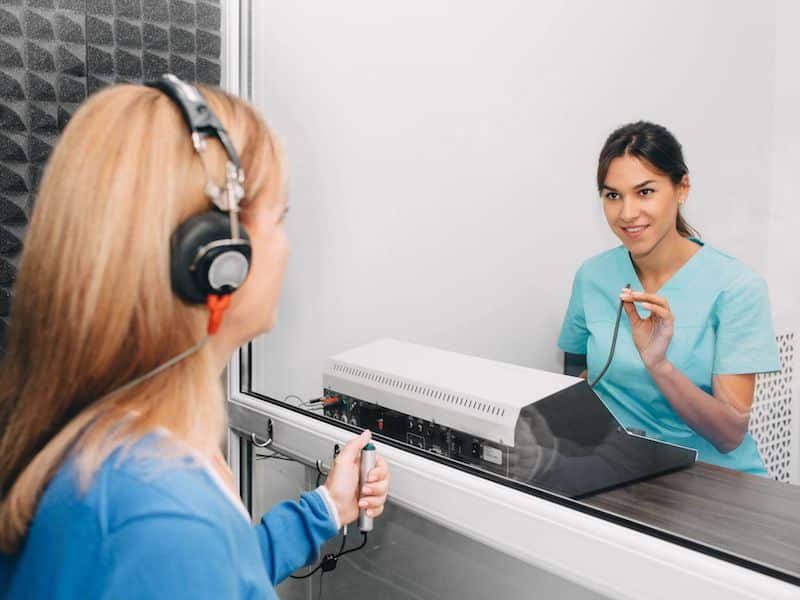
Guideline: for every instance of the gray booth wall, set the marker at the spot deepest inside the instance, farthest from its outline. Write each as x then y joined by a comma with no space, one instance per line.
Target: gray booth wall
53,53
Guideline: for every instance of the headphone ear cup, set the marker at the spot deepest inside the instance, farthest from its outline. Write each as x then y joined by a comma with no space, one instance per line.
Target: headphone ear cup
198,267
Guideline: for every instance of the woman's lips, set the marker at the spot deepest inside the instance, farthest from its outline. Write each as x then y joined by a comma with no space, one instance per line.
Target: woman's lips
634,232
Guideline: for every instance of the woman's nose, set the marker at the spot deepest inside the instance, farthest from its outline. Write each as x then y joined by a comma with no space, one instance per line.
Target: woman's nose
630,209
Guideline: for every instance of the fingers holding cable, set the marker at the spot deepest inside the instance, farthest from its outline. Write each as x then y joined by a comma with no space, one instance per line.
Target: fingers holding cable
629,306
653,334
658,305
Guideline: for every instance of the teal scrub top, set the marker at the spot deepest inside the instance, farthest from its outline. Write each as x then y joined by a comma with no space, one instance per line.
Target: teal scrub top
723,325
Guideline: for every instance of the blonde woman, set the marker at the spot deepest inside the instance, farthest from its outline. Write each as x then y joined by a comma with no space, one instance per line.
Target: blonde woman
113,484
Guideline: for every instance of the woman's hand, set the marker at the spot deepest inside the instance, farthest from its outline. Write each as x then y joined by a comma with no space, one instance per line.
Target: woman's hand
343,485
652,335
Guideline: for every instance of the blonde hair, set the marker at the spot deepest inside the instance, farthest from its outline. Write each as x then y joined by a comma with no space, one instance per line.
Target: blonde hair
93,304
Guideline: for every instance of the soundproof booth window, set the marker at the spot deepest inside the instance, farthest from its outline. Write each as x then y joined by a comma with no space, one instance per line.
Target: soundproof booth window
444,208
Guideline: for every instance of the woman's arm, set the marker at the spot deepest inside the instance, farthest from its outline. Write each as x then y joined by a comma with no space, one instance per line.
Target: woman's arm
292,533
722,416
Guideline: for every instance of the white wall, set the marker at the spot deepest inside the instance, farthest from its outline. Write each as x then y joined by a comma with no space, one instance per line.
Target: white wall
784,225
442,156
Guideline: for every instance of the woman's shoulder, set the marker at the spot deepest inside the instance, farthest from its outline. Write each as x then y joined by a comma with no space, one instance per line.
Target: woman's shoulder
149,524
730,272
149,478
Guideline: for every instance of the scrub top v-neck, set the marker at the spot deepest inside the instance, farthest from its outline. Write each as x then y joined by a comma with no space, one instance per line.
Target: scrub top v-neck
723,325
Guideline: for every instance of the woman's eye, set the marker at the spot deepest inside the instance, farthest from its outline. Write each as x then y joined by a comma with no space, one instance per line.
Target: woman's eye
612,195
646,192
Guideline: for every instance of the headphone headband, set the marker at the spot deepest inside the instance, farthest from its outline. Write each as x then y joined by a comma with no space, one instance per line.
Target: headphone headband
202,123
197,114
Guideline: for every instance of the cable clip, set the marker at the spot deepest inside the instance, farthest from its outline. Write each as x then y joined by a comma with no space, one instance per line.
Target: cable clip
329,562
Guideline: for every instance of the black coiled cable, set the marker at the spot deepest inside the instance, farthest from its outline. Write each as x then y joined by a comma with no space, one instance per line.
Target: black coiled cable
613,343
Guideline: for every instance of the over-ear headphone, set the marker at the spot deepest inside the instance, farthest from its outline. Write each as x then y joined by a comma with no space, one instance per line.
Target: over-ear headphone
210,253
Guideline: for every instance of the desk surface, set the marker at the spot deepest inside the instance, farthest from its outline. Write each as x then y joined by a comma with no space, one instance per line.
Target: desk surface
751,517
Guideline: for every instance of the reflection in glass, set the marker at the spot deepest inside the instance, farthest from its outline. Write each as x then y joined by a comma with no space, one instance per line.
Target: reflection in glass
570,444
541,429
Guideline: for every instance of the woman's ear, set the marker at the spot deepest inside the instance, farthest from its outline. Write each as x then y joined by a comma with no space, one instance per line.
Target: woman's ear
683,189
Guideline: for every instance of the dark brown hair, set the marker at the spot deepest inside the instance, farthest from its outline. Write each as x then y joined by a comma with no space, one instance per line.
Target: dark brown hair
655,145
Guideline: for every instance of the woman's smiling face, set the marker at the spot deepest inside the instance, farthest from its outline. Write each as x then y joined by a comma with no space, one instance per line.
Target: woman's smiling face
641,203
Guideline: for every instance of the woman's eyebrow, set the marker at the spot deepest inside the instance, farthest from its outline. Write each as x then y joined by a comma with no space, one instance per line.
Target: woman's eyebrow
644,183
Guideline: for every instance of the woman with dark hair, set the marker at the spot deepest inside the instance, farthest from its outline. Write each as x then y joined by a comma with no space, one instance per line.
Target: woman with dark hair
698,324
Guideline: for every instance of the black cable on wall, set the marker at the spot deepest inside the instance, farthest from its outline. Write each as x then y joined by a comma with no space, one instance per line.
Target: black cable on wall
53,53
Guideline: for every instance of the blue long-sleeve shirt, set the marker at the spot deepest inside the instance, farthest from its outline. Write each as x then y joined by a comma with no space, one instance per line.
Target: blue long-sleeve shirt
149,527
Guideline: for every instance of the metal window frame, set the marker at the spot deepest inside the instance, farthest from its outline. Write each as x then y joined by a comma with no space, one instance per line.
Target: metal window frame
612,556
